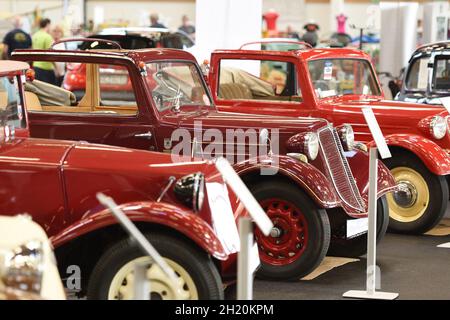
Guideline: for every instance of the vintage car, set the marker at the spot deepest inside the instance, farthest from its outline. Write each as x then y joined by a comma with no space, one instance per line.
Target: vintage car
56,182
28,269
427,77
335,84
315,186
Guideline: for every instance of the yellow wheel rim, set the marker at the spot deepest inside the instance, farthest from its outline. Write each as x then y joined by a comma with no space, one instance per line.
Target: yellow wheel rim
121,287
410,203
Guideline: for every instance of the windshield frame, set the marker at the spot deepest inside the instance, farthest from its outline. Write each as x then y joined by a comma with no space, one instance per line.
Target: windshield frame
431,56
362,60
202,81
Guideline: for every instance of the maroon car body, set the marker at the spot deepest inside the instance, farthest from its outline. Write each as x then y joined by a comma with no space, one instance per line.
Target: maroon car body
329,189
56,182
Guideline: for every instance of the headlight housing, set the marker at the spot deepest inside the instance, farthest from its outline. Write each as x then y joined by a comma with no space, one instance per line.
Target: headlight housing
438,127
190,190
23,267
347,136
305,143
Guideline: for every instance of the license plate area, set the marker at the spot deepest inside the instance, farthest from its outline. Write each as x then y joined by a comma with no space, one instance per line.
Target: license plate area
357,227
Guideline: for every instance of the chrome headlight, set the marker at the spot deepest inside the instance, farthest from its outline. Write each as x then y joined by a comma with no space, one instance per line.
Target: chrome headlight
23,267
311,145
190,190
346,136
438,127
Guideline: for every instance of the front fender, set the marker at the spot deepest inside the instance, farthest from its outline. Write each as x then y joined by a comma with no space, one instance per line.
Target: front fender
185,222
431,154
359,164
305,175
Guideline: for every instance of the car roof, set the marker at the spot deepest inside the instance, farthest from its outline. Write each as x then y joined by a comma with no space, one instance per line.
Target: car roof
435,46
10,66
136,54
308,54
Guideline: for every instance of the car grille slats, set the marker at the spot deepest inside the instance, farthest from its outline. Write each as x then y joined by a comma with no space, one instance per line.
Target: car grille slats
338,169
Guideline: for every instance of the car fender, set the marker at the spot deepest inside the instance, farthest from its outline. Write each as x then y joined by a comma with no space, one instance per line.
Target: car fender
305,175
359,164
159,213
435,158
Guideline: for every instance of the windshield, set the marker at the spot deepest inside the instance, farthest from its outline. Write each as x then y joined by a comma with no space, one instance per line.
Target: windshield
11,112
176,84
417,78
337,77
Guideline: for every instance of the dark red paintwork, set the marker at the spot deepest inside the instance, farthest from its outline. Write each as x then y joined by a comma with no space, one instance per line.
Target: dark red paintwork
56,181
121,130
403,124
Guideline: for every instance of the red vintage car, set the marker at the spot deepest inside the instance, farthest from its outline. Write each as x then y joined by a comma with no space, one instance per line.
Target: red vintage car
315,188
335,84
56,182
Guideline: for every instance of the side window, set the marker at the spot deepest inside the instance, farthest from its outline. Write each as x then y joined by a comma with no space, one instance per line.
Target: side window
442,73
258,80
82,88
10,103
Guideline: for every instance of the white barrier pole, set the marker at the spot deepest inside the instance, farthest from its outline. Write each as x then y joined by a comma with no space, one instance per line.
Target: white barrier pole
245,272
372,231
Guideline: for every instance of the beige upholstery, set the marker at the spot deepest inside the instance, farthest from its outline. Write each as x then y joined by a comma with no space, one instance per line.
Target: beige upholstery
230,91
50,95
32,101
259,88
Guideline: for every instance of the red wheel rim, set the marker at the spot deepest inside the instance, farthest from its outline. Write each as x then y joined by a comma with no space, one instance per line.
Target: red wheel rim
289,238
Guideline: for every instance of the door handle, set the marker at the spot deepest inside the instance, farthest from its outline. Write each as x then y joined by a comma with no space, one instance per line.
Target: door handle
147,135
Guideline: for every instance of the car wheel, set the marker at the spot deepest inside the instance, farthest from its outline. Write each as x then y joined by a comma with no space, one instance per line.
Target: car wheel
356,247
198,277
422,200
301,234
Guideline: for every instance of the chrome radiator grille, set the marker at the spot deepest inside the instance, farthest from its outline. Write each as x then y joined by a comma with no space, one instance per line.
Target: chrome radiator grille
338,168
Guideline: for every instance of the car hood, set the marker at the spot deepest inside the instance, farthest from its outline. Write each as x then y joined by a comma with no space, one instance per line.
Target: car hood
388,111
228,120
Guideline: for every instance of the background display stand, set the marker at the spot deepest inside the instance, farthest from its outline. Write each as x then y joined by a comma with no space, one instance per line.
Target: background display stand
248,259
141,282
371,272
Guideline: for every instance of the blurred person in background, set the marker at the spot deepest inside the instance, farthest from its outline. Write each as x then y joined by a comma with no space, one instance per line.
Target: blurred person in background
310,36
154,21
186,26
15,39
57,33
77,33
291,33
45,70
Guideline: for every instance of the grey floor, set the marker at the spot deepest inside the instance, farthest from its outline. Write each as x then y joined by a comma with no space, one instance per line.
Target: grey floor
410,265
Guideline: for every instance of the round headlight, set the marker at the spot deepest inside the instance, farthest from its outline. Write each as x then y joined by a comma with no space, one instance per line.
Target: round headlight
190,190
22,268
438,127
346,136
311,145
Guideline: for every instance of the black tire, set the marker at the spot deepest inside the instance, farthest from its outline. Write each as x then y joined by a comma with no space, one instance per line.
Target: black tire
356,247
195,261
439,195
318,228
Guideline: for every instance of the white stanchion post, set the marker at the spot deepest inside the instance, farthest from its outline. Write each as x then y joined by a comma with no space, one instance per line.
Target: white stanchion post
141,282
248,258
371,271
245,272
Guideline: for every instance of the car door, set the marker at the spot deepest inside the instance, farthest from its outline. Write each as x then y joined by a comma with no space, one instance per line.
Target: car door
110,108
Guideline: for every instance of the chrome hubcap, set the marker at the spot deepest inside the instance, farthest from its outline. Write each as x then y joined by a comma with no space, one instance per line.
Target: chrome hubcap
275,232
406,195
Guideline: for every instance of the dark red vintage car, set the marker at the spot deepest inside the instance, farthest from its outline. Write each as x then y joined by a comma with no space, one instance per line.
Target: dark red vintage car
335,84
56,182
316,188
